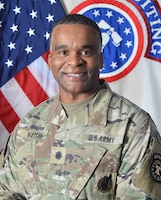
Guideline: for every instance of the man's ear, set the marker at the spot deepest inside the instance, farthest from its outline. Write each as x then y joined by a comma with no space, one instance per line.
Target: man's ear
49,61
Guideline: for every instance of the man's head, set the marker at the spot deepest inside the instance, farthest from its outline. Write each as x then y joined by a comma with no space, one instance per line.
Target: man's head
78,19
75,58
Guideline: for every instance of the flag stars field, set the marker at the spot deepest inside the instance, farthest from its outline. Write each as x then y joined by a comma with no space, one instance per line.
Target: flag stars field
28,49
52,1
14,28
17,10
1,5
9,63
33,14
50,18
31,32
47,35
11,45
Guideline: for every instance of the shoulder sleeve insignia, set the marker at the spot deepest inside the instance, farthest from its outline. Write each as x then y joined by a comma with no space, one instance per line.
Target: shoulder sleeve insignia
155,168
148,176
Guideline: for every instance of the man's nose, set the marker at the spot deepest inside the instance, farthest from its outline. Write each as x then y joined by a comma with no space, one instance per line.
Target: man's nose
75,59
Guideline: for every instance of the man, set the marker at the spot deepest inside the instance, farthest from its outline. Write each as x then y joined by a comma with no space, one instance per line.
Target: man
87,143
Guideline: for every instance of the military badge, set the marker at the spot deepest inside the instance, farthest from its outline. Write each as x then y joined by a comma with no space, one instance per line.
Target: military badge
58,155
155,168
105,184
122,35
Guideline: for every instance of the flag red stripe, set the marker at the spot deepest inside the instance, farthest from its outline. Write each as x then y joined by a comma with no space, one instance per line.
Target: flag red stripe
45,56
7,114
31,87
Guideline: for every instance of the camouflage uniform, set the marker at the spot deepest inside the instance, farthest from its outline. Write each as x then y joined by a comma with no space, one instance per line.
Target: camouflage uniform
109,149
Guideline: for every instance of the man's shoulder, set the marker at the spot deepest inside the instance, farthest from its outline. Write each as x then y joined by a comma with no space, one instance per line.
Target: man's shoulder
40,112
126,109
119,107
35,121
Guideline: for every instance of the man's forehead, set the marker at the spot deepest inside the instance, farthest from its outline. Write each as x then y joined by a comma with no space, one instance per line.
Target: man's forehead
74,32
72,26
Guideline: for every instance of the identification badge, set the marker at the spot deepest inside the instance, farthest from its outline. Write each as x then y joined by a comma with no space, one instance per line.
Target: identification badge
58,155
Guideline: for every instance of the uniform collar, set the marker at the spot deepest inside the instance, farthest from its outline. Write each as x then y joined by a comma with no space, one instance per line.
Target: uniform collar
94,113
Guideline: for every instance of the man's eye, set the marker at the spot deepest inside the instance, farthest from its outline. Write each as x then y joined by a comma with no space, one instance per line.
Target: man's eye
63,53
86,53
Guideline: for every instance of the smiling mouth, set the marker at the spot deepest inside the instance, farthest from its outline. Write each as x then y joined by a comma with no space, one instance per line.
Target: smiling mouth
75,75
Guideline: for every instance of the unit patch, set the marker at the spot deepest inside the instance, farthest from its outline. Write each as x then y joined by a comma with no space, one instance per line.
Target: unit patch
105,184
155,168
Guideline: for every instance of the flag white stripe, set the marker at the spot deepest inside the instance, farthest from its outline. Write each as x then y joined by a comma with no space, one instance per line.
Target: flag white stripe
15,96
44,76
4,136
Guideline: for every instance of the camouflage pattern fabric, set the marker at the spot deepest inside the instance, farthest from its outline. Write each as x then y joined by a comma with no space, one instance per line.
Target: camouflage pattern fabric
109,149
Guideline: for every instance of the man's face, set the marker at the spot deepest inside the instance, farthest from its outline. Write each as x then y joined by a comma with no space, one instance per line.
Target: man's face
75,59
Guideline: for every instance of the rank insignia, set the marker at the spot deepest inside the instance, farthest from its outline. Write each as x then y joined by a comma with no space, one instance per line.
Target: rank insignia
105,184
155,168
58,155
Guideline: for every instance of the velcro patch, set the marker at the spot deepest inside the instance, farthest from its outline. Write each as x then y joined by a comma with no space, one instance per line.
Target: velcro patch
148,179
155,168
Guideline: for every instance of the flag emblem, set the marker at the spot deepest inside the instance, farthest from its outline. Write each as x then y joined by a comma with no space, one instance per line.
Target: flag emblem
122,35
25,80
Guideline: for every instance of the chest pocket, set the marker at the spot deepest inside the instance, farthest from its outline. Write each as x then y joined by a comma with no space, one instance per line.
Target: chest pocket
34,141
96,179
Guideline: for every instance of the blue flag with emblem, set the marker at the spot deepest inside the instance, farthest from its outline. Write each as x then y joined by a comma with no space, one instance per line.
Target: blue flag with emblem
131,47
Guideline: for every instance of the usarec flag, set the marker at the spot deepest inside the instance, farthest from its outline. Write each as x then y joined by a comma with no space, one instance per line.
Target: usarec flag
131,31
25,80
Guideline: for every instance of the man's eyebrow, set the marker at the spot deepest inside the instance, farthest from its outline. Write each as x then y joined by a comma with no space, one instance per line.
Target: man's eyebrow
86,46
58,47
89,46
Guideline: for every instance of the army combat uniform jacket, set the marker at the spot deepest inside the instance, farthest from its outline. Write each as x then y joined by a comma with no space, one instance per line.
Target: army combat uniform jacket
108,149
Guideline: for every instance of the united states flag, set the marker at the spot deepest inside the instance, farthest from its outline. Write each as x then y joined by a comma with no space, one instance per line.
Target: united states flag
25,80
